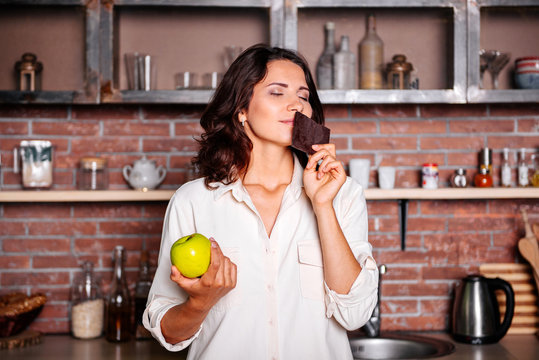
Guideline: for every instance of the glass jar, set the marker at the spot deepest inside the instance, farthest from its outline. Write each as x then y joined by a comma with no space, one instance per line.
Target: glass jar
87,305
483,178
458,179
93,174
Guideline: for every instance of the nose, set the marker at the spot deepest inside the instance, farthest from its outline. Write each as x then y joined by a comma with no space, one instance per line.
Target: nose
295,104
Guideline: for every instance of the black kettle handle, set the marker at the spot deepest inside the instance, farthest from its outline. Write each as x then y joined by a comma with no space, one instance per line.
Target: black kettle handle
501,284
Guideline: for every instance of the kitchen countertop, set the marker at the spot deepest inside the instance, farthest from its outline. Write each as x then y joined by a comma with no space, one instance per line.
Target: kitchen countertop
60,347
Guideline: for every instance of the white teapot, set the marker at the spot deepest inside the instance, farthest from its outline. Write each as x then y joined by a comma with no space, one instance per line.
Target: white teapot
144,174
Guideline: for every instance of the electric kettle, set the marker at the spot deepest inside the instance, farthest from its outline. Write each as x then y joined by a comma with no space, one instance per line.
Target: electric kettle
476,314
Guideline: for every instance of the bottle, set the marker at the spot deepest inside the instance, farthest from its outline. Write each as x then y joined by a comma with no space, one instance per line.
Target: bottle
534,171
371,57
483,178
522,169
324,67
118,311
344,66
142,290
505,169
87,305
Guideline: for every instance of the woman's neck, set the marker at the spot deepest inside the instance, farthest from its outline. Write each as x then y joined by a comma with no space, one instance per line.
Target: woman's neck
270,168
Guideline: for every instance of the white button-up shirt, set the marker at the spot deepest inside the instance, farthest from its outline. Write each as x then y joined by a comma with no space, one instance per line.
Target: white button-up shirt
281,308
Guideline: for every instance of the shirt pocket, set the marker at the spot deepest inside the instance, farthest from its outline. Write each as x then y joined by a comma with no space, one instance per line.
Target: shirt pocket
311,271
233,297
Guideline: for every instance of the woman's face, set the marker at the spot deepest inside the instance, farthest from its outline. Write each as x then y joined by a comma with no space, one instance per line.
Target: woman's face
275,100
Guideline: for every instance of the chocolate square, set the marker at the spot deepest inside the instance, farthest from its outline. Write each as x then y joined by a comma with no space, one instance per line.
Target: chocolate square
307,132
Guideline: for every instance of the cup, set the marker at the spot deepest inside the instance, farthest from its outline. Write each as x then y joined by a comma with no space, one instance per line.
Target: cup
231,53
141,71
360,170
186,80
211,80
386,177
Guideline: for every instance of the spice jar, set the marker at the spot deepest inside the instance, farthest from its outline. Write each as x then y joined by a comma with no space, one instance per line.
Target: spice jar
87,305
398,73
93,174
483,178
458,179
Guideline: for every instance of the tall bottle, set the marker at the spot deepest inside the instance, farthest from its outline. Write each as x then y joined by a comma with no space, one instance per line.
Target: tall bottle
371,57
506,169
344,66
118,312
522,169
324,67
142,290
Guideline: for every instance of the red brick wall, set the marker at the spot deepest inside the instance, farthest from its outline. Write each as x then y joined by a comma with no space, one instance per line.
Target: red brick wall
42,245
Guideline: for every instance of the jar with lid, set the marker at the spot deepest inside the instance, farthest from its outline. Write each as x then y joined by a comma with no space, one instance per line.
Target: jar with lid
483,178
87,305
93,174
458,179
398,73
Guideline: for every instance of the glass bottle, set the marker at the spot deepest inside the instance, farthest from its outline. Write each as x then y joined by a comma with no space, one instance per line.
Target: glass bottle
522,169
142,290
506,169
483,178
371,57
87,305
344,66
324,67
118,311
534,171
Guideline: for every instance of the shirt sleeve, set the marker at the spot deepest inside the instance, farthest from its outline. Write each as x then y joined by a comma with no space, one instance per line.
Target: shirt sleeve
353,310
164,293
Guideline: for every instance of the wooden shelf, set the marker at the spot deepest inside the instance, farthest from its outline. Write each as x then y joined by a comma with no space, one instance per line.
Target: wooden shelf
165,195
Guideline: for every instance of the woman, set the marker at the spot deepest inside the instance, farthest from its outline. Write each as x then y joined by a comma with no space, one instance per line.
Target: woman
291,268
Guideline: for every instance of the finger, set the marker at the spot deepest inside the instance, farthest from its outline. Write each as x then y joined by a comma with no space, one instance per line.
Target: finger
215,261
330,147
228,280
178,278
316,157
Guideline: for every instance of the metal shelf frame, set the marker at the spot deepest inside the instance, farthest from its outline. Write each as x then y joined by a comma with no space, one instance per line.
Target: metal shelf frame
474,93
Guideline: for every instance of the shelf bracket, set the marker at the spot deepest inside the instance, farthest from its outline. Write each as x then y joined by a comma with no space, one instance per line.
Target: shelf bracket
403,213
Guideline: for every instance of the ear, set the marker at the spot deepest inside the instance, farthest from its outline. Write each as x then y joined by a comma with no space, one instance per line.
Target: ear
242,117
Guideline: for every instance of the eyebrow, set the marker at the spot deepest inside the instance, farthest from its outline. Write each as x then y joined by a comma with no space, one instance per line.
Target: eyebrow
286,85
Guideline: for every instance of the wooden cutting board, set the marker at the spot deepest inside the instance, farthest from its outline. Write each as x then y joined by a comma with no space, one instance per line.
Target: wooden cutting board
526,318
24,339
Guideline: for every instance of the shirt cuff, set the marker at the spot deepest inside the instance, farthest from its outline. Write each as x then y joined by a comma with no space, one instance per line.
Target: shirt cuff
156,312
362,288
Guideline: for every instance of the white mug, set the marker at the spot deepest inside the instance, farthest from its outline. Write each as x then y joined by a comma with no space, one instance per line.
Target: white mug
360,170
386,177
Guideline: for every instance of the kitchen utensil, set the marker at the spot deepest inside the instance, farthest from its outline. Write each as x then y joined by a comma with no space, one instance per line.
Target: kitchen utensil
144,174
529,248
535,229
36,157
496,65
476,312
520,276
458,179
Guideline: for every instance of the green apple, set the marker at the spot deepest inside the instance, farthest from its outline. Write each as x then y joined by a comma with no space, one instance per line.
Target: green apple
191,255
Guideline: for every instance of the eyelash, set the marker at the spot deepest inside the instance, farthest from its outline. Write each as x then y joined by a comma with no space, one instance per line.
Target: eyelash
301,97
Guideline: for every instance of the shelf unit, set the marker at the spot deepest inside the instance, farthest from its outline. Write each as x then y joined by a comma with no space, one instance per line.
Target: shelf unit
23,196
475,93
456,94
89,93
283,22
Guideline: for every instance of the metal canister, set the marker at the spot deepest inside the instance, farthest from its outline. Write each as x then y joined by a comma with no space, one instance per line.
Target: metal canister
430,176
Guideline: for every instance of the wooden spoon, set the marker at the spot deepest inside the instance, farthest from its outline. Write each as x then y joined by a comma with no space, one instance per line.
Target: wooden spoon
535,228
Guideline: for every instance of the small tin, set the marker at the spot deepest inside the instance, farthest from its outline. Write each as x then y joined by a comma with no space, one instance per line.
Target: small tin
430,176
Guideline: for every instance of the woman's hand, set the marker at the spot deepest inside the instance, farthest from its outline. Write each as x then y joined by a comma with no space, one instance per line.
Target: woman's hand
205,291
322,185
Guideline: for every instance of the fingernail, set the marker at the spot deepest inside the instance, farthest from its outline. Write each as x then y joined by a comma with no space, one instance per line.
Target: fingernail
213,243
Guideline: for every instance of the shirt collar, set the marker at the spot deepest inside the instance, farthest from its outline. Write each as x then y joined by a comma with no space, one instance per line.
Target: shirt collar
240,193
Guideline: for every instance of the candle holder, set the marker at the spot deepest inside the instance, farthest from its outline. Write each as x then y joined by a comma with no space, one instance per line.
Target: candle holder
29,72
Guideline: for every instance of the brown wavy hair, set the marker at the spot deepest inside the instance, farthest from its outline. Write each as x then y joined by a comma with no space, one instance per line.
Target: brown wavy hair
225,149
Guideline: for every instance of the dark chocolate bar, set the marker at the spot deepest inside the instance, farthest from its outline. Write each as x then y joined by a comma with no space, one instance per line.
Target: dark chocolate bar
307,132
